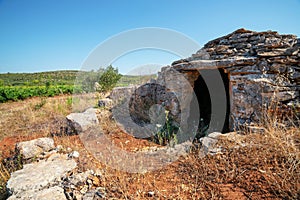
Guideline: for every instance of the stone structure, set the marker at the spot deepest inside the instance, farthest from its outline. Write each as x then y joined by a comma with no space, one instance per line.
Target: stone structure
232,79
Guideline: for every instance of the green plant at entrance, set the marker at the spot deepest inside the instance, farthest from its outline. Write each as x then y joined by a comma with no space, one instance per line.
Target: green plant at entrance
167,133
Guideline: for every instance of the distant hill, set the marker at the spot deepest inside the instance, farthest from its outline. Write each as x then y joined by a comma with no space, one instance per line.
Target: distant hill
63,77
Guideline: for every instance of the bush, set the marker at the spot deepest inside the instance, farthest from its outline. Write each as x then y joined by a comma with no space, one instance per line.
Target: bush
109,79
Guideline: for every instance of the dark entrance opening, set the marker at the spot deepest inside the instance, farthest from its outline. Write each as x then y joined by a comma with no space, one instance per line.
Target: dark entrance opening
204,102
201,99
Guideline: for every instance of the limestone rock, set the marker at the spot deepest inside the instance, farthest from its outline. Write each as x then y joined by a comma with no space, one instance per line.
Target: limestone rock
94,194
79,179
82,121
74,154
53,193
149,102
38,180
97,86
105,103
121,93
208,143
30,149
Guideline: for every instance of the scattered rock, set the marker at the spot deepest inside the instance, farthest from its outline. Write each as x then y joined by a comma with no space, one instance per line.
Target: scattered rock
74,154
107,103
36,178
33,148
208,143
151,194
121,93
84,189
59,148
76,195
97,86
94,194
78,179
53,193
82,121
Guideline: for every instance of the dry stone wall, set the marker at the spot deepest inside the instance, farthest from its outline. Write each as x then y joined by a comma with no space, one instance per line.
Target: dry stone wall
262,67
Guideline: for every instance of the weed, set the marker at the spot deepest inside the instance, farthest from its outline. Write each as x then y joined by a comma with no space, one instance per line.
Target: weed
166,133
69,101
39,105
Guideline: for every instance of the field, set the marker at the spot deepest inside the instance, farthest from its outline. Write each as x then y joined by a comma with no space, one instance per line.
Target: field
19,86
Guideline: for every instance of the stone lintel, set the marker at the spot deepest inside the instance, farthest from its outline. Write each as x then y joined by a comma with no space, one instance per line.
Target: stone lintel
214,64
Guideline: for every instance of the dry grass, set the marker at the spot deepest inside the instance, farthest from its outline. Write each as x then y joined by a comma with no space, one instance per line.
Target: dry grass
266,167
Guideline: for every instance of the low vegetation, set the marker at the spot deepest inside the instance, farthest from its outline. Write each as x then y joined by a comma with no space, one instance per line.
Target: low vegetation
20,86
15,93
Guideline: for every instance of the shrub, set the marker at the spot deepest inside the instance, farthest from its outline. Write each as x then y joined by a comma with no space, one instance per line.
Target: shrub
109,79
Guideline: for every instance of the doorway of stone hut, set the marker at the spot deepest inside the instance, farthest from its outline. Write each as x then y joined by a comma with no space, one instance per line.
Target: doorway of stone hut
202,98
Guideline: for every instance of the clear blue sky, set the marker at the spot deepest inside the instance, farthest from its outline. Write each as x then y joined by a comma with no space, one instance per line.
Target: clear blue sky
44,35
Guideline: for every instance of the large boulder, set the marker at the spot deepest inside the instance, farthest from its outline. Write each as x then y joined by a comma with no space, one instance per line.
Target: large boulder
149,102
31,149
82,121
121,93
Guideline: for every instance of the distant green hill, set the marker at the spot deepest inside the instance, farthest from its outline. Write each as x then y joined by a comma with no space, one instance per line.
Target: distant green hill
64,77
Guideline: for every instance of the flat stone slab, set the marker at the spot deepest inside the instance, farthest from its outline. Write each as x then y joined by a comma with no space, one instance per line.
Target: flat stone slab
39,176
214,64
53,193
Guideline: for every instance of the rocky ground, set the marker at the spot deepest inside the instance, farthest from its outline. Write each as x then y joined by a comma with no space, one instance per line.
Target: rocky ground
240,166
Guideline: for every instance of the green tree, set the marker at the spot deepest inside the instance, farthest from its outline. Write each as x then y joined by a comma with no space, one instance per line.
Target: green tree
109,78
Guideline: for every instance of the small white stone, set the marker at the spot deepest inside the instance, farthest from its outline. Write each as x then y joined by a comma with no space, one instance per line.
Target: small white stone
150,193
74,154
59,148
69,149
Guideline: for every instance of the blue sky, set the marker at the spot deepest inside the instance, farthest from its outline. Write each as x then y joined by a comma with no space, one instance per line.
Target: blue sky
45,35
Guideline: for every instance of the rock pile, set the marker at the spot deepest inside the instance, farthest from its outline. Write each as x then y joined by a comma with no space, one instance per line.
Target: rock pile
52,174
